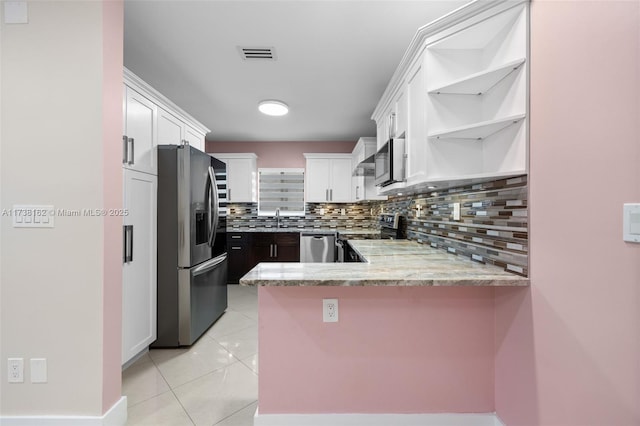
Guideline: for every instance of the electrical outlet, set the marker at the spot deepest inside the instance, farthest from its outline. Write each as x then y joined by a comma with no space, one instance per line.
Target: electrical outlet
343,212
321,212
456,211
330,310
16,370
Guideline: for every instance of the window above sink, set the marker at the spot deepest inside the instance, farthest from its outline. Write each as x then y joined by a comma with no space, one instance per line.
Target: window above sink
280,190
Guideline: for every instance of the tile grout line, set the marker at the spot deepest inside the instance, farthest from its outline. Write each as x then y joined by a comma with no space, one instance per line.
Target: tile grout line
234,413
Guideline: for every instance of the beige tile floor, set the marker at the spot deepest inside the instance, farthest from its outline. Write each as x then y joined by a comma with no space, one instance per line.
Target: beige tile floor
214,382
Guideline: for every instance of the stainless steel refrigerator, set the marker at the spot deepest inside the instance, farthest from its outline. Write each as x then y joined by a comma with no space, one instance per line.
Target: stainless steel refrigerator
192,255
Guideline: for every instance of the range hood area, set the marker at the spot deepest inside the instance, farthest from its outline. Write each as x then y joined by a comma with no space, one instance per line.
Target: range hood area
365,167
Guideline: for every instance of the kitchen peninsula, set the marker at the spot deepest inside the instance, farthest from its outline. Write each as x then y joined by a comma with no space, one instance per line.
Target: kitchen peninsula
415,336
388,263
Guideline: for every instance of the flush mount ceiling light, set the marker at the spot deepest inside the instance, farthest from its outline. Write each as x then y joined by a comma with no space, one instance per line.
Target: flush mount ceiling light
273,107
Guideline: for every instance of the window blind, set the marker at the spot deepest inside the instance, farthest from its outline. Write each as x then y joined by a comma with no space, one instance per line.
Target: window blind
281,189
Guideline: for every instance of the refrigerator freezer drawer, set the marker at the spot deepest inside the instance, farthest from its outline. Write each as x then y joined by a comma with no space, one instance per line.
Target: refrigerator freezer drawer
202,298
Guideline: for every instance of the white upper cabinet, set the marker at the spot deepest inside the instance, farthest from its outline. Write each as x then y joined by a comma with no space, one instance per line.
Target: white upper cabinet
328,178
381,133
415,146
170,128
139,139
401,110
174,131
464,83
363,182
150,119
242,176
194,138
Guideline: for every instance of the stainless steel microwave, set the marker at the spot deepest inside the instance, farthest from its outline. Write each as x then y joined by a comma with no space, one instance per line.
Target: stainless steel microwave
389,162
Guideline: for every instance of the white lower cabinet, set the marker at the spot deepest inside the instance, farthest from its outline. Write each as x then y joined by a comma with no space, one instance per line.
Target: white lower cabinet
139,120
139,263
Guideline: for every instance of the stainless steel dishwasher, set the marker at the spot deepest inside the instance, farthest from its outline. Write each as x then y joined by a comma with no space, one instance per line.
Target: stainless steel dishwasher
317,247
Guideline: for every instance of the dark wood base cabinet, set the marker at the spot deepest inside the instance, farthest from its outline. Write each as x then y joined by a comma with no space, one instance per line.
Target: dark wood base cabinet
275,247
238,248
247,249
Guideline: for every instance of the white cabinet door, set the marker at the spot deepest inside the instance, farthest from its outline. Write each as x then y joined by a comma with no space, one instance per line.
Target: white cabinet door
317,180
357,182
402,112
381,137
195,138
139,272
241,180
170,128
340,180
242,176
363,187
357,188
416,135
173,131
140,116
328,179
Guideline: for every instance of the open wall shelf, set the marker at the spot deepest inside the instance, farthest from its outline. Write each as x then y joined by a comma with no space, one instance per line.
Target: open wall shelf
478,131
480,82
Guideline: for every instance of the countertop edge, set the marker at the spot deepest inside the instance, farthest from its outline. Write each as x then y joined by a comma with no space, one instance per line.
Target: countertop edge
524,282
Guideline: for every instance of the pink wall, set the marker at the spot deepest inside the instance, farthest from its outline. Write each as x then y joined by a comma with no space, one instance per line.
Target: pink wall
281,154
568,348
394,350
112,184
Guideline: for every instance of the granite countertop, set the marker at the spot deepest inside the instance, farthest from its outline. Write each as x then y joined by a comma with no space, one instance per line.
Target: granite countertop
389,263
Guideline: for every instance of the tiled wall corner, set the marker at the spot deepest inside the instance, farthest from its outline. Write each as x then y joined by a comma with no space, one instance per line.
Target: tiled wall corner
493,227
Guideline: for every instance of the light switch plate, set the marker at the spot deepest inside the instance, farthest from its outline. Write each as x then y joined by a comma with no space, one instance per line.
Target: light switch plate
32,216
38,370
631,222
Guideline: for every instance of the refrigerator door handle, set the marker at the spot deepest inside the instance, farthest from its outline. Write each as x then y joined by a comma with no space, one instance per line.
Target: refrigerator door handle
212,206
208,265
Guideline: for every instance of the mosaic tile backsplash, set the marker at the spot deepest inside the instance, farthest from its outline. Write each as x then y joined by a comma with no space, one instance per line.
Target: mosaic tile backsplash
493,227
357,216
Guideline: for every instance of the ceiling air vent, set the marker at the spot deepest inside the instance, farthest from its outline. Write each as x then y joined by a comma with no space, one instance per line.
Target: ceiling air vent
257,53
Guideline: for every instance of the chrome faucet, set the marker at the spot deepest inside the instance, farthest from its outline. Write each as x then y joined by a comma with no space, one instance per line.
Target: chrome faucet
278,218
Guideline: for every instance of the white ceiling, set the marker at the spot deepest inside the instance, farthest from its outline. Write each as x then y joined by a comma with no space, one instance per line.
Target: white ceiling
334,60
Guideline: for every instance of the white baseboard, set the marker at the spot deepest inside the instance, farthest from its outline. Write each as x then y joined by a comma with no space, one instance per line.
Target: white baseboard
116,416
427,419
